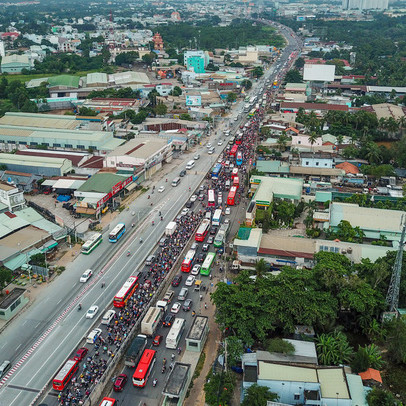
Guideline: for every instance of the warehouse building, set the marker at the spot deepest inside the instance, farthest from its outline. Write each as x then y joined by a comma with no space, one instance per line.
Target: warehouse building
54,131
15,63
36,165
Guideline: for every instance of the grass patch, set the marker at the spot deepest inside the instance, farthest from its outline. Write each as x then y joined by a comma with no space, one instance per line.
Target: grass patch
198,370
394,377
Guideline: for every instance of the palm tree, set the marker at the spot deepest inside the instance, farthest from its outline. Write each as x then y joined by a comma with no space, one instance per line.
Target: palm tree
313,137
373,153
282,141
260,268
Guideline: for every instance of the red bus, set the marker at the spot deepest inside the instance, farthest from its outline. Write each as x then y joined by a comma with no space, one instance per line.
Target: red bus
144,368
234,173
126,291
236,182
234,150
108,402
202,230
231,196
188,261
210,198
65,374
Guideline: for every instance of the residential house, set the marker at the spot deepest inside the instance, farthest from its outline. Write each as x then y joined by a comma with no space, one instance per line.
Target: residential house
317,160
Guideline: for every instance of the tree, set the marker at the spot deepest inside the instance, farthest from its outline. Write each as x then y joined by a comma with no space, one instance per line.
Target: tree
380,397
257,72
334,349
185,116
231,97
260,268
247,84
281,346
177,91
152,96
149,58
282,141
360,363
127,58
293,76
6,276
396,340
85,111
211,67
300,62
161,109
235,350
219,388
257,395
313,137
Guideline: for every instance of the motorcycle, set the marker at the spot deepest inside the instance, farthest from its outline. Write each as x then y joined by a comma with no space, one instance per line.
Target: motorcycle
79,307
140,240
154,382
128,253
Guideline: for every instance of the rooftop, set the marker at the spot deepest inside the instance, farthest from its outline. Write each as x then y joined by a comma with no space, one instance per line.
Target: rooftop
39,120
283,188
333,383
11,298
287,246
15,58
277,372
366,218
197,329
101,182
177,380
64,81
6,159
141,147
314,106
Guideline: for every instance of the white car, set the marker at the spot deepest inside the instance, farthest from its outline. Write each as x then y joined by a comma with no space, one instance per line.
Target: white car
93,336
86,275
193,198
161,189
226,221
108,316
208,145
220,143
211,151
196,269
190,280
92,311
220,194
176,307
184,211
228,210
235,118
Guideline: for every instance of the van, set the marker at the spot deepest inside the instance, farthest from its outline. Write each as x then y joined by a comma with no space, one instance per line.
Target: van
92,337
108,316
183,293
150,260
175,182
4,367
190,164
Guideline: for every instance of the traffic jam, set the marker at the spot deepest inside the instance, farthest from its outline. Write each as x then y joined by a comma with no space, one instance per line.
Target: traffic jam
200,235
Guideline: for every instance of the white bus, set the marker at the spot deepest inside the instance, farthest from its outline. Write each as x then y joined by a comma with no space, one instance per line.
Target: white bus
175,333
91,243
216,218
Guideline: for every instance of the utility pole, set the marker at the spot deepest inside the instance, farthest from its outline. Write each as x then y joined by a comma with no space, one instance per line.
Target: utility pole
392,297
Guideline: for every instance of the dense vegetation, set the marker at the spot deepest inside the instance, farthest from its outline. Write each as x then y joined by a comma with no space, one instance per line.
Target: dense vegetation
379,45
238,33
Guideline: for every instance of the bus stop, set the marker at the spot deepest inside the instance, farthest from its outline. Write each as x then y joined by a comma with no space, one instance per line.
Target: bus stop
177,384
198,333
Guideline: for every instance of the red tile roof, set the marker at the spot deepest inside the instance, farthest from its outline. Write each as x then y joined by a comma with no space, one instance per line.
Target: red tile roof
371,375
348,167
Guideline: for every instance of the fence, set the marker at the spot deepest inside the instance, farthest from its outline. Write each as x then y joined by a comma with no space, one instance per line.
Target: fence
40,270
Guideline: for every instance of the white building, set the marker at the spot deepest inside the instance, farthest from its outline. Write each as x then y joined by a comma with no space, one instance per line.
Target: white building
316,160
2,50
365,4
11,197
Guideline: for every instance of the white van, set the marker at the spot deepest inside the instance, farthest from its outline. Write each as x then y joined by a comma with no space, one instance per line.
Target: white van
94,334
190,164
175,182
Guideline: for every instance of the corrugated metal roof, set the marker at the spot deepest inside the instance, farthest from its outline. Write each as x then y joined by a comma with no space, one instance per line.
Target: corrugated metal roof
101,182
31,120
32,160
20,260
356,390
64,80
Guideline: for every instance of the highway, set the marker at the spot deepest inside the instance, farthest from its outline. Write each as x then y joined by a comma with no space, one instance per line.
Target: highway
40,340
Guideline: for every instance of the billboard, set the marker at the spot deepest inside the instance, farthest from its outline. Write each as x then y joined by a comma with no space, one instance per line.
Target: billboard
319,73
193,100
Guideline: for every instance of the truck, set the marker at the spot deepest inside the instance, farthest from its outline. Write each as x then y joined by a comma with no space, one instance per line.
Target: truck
151,321
162,305
170,228
135,350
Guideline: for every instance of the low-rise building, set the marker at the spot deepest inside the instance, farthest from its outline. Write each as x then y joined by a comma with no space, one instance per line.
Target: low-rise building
11,196
177,384
317,160
15,63
197,336
12,303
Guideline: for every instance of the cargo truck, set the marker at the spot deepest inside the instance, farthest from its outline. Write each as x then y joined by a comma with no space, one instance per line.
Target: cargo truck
135,350
170,228
151,321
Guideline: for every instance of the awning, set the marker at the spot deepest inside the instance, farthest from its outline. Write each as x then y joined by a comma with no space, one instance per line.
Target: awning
131,186
49,245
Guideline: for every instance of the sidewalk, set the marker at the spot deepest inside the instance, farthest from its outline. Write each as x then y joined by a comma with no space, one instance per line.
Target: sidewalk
196,395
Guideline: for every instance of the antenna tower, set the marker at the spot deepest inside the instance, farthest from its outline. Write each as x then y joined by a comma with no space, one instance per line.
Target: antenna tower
392,297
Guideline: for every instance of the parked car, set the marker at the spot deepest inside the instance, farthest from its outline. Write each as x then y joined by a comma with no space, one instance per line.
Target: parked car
80,354
176,280
92,311
120,382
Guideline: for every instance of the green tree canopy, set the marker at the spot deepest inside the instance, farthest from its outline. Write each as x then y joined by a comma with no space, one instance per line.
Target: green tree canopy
257,395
